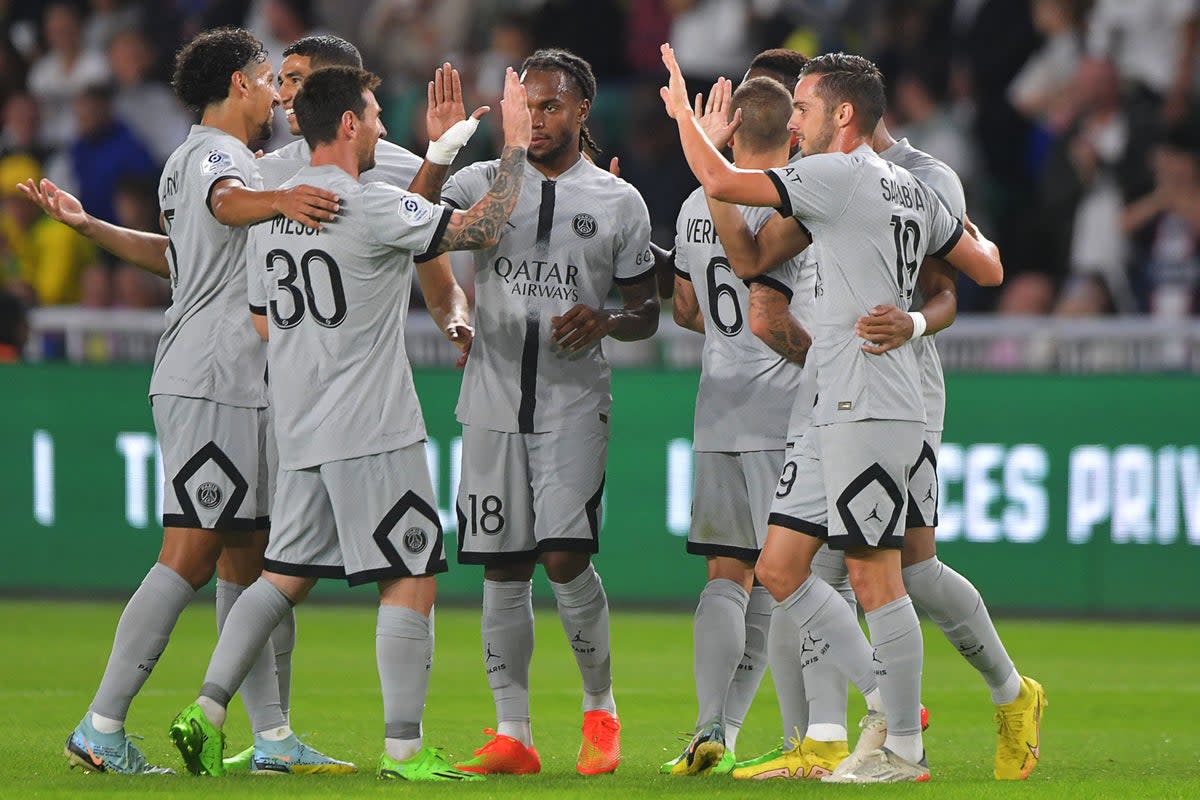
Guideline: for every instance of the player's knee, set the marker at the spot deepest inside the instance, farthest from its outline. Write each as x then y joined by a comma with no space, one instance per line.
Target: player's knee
776,580
564,566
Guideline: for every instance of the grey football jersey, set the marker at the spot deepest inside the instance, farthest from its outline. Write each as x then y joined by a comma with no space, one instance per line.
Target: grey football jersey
746,389
941,179
336,300
567,241
209,348
393,164
872,224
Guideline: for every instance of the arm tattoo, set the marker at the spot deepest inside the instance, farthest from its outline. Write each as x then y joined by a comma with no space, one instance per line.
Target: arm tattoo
481,225
784,334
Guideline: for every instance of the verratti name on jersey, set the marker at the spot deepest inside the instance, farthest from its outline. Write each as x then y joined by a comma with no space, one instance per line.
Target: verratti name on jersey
535,278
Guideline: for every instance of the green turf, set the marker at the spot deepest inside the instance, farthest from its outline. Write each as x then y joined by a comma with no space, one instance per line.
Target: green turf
1121,723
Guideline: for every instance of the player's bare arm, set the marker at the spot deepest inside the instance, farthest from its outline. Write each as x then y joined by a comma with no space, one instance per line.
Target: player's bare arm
686,309
637,319
447,304
750,254
448,128
887,327
772,322
234,204
979,262
143,249
719,178
261,326
482,225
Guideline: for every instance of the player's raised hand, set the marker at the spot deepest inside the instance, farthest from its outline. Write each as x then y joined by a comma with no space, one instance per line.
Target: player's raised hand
514,112
580,327
714,117
884,328
62,206
307,205
445,107
674,94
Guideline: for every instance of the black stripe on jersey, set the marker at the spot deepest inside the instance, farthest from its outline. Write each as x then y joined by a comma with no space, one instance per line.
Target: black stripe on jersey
529,367
774,283
635,279
432,251
785,200
681,274
304,570
949,245
258,311
798,525
592,510
748,554
546,213
212,186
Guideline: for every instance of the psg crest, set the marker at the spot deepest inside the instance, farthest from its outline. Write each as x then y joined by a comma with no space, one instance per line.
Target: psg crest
415,540
584,225
208,494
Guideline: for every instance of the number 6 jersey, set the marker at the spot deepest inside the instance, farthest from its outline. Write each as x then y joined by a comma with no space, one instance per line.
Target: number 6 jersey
567,241
336,300
746,388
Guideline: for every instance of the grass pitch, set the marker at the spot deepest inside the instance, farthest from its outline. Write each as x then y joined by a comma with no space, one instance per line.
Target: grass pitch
1122,721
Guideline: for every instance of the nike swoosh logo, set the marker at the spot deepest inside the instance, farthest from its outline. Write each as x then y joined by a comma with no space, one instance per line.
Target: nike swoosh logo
95,759
1035,749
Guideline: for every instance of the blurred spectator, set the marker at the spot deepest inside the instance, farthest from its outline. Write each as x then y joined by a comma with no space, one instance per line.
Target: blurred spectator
711,39
104,152
147,106
13,69
647,27
1153,44
106,20
22,126
927,123
405,39
1095,149
124,285
509,43
1045,81
44,259
1171,216
63,71
14,328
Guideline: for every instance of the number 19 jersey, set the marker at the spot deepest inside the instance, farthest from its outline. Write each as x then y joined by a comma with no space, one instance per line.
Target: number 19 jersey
567,241
336,300
746,389
872,223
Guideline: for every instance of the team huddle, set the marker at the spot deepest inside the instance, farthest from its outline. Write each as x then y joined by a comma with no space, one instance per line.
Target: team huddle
818,265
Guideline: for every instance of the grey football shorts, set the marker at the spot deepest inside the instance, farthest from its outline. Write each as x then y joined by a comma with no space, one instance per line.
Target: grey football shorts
731,497
217,462
364,519
522,494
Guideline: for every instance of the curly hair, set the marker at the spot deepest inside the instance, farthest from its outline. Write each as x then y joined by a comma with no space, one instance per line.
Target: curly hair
204,65
580,73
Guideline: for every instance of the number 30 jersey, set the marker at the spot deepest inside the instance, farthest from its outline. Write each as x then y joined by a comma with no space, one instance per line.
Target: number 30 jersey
872,224
336,300
746,389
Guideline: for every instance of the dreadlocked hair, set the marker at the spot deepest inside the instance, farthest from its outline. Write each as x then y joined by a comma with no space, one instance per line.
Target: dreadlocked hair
580,72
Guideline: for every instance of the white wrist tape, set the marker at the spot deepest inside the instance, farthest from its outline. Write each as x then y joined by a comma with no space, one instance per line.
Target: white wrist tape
444,150
919,324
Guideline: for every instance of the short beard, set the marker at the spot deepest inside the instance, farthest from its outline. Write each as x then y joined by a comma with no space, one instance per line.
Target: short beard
824,137
264,132
551,155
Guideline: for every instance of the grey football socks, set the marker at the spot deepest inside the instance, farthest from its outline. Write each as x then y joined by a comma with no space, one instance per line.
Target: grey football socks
142,635
955,606
718,644
783,656
824,683
283,642
750,671
402,651
508,647
899,649
583,610
260,689
815,607
243,647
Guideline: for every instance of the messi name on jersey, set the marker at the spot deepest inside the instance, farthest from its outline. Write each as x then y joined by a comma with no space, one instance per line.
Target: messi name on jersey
533,278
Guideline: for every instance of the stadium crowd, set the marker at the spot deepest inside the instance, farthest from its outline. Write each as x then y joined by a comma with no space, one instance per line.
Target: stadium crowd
1071,122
